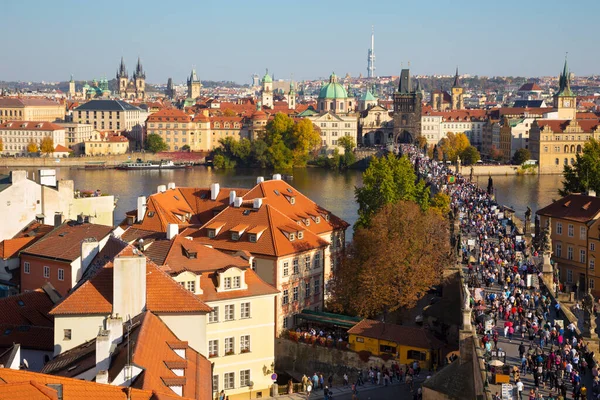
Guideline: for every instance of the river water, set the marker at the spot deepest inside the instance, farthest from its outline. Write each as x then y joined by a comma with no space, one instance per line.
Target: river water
330,189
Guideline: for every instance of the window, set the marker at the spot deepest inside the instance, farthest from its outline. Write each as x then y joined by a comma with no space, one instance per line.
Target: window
252,238
285,298
67,334
296,268
245,377
307,289
26,267
229,380
215,383
317,260
592,246
286,268
236,282
307,262
569,276
253,264
295,293
244,344
46,272
285,323
558,250
213,348
416,355
229,312
245,310
559,228
227,283
592,283
317,285
570,252
592,263
191,286
582,233
61,274
387,349
582,256
229,349
214,315
571,230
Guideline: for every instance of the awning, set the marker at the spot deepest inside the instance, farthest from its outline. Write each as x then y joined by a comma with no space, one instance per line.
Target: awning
330,319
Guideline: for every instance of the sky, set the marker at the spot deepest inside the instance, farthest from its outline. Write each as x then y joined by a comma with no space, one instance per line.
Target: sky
231,40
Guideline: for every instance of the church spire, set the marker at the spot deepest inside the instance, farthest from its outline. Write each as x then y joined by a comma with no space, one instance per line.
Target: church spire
564,81
456,79
122,71
139,70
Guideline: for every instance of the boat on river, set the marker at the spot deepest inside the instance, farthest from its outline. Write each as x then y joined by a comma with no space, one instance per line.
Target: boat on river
149,165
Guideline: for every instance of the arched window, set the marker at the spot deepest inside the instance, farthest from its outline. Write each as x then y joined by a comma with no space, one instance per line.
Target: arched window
566,161
331,105
572,161
572,148
579,148
566,149
556,161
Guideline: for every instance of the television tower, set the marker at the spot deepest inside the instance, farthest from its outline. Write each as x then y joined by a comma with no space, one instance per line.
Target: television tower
371,57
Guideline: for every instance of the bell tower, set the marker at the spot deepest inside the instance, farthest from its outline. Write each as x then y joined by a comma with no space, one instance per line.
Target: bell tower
457,93
565,100
194,85
139,78
291,97
122,79
267,90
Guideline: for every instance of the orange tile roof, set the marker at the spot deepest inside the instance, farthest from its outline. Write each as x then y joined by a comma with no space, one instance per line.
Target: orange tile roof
10,248
256,287
64,242
169,115
27,308
62,149
272,242
73,389
163,294
30,126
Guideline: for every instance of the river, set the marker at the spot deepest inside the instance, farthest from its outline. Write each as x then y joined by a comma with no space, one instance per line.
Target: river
330,189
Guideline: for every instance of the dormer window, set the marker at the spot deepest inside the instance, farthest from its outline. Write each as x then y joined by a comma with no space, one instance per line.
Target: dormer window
318,219
235,236
292,237
307,222
300,235
252,238
211,233
292,200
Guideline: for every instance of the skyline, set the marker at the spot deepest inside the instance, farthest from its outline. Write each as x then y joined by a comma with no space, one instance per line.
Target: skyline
307,42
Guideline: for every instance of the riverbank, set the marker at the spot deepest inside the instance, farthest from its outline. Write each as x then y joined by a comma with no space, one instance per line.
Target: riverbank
501,170
108,161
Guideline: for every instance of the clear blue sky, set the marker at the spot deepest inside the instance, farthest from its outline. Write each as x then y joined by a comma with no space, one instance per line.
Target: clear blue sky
230,40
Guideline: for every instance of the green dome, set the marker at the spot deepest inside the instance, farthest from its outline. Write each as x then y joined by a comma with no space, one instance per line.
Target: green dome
267,78
333,90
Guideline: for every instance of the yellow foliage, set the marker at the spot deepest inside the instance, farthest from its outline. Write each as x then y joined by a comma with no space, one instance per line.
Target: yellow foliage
32,147
47,145
454,144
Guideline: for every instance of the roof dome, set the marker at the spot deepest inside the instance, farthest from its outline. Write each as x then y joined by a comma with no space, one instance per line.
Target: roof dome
267,78
333,90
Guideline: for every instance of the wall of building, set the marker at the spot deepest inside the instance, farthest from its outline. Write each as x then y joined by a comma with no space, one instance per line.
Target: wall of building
190,327
20,203
83,328
35,358
35,278
401,353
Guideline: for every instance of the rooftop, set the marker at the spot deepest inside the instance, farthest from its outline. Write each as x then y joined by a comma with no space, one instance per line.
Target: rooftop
107,105
403,335
575,207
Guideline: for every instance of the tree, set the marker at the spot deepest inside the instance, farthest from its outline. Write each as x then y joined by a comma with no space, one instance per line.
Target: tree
155,143
393,262
303,139
470,155
440,202
1,145
47,145
421,141
585,173
521,156
454,144
185,147
347,142
32,147
495,153
229,113
387,181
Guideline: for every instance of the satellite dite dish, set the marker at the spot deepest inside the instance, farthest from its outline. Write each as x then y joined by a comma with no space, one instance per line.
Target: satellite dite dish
25,363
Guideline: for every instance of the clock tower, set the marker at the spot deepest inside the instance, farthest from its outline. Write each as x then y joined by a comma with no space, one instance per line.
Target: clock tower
565,100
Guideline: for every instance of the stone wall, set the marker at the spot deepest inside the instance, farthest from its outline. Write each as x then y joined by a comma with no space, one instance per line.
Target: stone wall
300,358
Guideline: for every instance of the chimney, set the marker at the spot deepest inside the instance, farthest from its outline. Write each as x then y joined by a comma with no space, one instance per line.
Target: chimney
238,202
232,196
260,179
102,351
277,177
58,219
214,190
90,247
591,192
141,208
171,185
102,377
161,189
257,203
129,285
114,326
172,231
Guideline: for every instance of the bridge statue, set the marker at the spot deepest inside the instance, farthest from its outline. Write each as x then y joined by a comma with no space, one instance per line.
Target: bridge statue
589,318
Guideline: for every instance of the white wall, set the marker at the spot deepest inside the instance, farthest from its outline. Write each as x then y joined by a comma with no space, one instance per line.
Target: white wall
83,328
190,327
20,203
129,286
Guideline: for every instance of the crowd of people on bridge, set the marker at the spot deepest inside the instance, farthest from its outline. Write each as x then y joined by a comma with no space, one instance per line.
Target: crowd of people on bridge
507,297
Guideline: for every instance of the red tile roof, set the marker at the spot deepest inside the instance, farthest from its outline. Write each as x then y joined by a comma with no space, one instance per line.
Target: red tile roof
62,149
531,86
169,115
15,102
575,207
256,287
176,258
64,242
559,126
163,294
30,126
10,248
404,335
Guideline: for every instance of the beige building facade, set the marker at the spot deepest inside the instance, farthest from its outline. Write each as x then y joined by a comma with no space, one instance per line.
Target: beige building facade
106,144
17,135
23,109
76,134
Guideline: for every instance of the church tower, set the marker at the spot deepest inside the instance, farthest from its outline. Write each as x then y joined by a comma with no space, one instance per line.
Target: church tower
457,94
193,85
71,87
122,79
267,90
565,100
139,79
407,110
291,97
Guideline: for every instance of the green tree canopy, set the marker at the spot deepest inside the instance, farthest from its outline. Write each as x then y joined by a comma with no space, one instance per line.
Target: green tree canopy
155,143
470,155
521,155
387,181
585,173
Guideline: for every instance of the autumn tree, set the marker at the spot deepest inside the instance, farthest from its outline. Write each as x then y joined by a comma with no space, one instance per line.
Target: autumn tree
155,143
421,141
346,160
229,113
495,153
392,263
584,174
470,155
440,202
47,145
454,144
521,155
303,140
32,147
1,145
388,180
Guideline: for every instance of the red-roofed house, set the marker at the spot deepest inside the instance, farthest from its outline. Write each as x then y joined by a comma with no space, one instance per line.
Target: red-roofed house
16,135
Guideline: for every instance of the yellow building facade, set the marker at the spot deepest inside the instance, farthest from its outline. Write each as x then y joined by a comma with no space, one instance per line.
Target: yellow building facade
21,109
